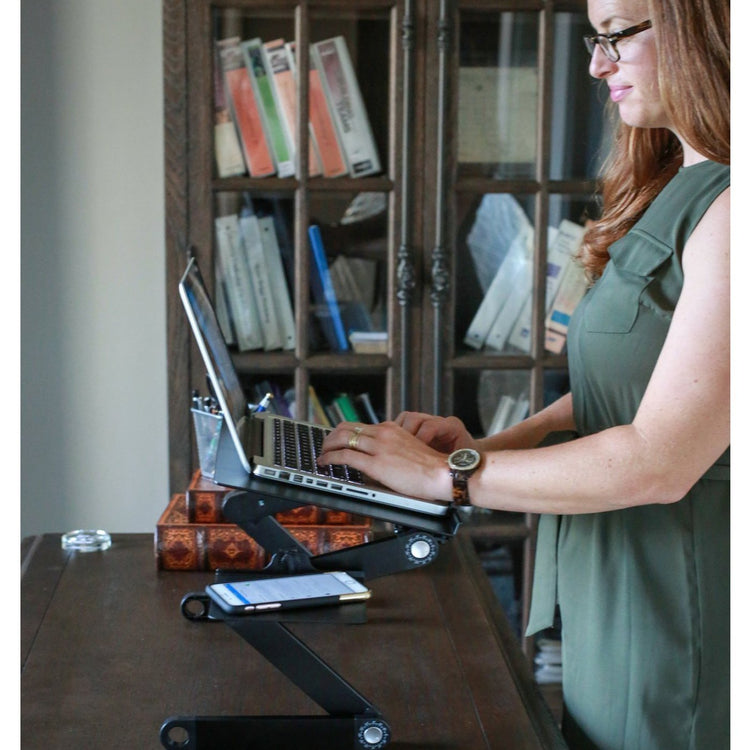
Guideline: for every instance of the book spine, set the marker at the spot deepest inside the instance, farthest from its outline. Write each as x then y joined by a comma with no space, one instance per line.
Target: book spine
502,415
316,412
222,308
503,325
259,278
280,295
252,49
322,127
276,55
238,287
567,239
325,294
572,288
342,92
245,112
203,500
362,400
346,407
498,292
227,149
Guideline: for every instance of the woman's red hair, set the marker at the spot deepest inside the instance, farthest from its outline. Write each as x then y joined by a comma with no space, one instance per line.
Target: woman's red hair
692,40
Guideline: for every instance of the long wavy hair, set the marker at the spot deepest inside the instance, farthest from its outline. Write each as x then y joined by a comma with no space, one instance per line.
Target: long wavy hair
692,42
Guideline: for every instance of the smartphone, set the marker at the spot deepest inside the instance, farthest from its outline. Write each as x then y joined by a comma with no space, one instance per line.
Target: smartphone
286,592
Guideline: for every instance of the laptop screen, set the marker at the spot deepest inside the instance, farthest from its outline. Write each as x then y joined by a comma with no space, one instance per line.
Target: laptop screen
213,348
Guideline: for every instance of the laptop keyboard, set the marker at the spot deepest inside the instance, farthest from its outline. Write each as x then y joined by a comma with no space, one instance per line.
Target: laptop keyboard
297,445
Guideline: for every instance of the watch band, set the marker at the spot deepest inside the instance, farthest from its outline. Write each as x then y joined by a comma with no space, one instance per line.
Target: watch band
460,489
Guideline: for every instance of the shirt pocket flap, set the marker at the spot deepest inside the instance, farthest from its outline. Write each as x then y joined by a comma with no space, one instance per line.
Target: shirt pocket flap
613,302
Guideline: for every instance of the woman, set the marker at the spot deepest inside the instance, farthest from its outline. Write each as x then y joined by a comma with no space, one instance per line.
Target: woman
634,542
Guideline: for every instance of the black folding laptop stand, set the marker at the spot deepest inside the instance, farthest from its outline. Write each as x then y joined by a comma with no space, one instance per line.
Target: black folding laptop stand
352,721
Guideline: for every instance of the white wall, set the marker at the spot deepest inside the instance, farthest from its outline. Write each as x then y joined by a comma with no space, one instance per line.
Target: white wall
93,320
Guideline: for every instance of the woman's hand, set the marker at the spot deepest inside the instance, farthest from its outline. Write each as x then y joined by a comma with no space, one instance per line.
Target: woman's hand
445,434
391,455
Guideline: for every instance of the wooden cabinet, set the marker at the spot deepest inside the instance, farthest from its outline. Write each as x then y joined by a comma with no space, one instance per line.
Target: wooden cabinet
479,109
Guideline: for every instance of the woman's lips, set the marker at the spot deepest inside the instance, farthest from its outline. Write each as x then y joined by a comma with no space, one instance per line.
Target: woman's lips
618,93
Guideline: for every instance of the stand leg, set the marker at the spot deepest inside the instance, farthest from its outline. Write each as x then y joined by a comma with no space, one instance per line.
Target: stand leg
302,666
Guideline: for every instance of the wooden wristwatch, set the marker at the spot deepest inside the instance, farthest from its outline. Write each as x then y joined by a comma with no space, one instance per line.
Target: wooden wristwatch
462,464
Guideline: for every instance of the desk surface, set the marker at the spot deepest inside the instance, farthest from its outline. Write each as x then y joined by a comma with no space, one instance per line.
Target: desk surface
106,655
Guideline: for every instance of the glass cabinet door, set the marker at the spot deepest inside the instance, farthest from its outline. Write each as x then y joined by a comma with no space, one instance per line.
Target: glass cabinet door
528,137
302,157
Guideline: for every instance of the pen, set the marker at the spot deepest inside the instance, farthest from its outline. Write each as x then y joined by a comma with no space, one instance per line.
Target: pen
264,402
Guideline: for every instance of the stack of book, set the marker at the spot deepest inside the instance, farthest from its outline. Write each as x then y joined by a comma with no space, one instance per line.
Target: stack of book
503,319
255,90
548,661
192,534
254,305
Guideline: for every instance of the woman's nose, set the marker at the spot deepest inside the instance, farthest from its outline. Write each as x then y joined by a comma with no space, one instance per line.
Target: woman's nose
600,65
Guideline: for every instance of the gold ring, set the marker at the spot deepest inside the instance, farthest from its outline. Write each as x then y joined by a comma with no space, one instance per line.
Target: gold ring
354,439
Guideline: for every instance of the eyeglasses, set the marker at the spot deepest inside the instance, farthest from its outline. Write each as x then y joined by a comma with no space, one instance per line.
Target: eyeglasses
608,42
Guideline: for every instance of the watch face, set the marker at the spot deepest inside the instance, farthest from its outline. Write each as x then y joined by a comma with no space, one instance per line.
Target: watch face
464,459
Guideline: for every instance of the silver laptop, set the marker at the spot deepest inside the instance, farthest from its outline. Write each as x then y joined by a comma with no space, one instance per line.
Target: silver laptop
268,445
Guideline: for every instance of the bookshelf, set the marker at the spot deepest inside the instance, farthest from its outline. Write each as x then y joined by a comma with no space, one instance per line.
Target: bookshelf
440,79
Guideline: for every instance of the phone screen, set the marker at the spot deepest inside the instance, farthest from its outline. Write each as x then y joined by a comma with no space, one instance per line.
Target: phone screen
288,589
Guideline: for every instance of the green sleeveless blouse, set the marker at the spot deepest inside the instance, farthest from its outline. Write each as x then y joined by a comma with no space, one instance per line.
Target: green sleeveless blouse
643,592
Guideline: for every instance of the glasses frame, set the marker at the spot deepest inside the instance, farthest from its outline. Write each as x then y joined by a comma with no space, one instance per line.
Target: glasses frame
608,42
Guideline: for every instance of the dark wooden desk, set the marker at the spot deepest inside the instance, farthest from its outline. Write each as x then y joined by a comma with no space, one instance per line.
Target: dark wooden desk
107,656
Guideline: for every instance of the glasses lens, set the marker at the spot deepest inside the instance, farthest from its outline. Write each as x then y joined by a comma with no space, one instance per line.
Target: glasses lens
609,49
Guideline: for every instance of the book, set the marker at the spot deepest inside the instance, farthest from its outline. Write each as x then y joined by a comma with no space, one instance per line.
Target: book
279,290
345,406
260,77
365,408
316,412
276,56
236,277
332,60
326,305
244,109
506,279
259,278
564,243
323,130
222,308
572,288
227,149
369,342
182,545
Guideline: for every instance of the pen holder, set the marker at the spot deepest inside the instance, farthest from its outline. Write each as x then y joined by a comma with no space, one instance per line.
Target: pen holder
207,429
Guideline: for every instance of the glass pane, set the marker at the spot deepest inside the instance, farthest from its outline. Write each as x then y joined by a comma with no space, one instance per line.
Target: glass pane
579,138
351,240
493,269
497,94
490,400
254,270
359,104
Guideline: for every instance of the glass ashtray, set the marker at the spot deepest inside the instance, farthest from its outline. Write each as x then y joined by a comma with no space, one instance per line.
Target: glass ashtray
86,540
